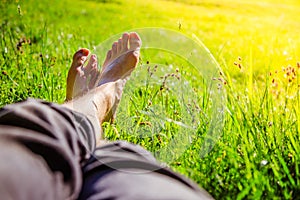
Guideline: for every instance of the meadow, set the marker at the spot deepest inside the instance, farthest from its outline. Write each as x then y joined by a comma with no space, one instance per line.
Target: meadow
256,44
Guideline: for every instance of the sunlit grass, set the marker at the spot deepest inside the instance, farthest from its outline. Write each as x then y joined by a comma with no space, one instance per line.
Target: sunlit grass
255,42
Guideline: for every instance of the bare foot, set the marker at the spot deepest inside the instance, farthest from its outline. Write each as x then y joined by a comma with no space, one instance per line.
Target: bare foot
98,98
82,78
121,59
118,65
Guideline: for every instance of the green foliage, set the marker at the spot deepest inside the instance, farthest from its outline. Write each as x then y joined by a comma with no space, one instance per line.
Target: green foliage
257,156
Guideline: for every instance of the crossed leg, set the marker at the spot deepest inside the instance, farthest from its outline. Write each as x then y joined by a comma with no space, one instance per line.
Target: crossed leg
38,139
104,178
97,94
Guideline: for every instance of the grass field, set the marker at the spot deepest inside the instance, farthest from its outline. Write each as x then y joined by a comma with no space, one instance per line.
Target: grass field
255,42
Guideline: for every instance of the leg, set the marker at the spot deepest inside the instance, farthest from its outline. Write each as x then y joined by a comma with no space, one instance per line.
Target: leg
121,170
59,141
44,145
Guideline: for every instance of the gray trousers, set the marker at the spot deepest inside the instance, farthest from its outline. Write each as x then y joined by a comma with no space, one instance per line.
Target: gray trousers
48,152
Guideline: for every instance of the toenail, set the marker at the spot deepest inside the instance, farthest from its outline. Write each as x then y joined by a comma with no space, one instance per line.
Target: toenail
86,52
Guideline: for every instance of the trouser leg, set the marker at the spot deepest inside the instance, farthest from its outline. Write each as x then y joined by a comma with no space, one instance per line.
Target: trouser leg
55,143
124,171
46,142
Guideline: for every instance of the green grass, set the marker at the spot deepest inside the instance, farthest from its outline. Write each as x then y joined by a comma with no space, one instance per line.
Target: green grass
257,156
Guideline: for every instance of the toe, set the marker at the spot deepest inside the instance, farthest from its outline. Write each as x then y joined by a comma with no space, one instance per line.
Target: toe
107,59
80,57
114,48
79,73
135,41
94,78
125,39
108,55
119,47
92,64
